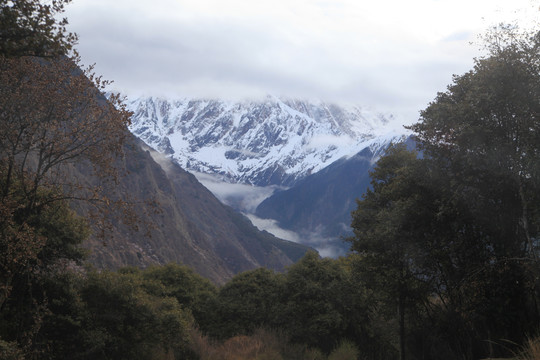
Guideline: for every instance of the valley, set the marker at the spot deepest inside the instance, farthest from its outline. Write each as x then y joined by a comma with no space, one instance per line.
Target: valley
293,167
269,228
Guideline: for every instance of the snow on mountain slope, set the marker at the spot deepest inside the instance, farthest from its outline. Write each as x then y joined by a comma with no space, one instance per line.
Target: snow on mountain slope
269,142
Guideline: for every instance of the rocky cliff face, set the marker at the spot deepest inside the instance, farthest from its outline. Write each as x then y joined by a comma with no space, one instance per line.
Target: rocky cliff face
268,142
188,226
55,122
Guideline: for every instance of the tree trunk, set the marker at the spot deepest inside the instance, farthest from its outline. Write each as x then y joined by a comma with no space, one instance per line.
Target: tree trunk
525,222
401,317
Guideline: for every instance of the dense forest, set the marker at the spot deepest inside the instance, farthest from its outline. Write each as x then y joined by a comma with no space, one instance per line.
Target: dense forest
443,263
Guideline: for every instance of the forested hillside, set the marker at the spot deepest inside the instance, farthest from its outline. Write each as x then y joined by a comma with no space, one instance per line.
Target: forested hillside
444,261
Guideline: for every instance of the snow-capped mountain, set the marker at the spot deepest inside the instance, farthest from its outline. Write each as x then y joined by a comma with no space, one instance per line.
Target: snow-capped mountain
269,142
317,210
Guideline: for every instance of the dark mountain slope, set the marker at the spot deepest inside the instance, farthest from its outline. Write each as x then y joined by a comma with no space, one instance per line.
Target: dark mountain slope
59,130
319,207
190,225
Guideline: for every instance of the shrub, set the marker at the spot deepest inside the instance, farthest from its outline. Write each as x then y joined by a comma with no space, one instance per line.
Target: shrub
10,351
262,345
345,351
314,354
531,350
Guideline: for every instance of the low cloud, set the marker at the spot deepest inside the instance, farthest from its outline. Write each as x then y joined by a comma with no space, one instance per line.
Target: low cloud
163,161
327,247
273,228
242,197
322,141
331,251
246,198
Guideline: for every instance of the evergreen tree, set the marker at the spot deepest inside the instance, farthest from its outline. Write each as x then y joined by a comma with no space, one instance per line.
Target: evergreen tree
485,131
320,305
455,232
483,136
191,290
35,245
250,301
388,227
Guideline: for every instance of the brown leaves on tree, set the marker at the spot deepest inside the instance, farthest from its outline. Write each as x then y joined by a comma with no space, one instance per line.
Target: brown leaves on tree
52,115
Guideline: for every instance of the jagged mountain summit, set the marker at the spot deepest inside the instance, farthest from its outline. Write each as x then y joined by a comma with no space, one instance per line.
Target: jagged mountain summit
269,142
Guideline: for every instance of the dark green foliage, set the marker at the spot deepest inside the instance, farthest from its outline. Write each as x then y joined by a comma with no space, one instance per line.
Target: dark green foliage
110,316
389,225
32,27
191,290
123,321
36,242
317,304
451,237
248,302
484,131
387,221
39,232
60,334
483,136
320,303
107,315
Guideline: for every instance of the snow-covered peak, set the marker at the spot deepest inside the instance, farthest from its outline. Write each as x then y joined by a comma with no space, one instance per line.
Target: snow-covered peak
275,141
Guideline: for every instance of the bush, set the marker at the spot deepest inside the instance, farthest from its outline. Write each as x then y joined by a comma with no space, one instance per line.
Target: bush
10,351
262,345
125,322
314,354
345,351
531,350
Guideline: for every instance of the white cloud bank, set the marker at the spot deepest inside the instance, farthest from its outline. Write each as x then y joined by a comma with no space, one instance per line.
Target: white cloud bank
242,197
393,55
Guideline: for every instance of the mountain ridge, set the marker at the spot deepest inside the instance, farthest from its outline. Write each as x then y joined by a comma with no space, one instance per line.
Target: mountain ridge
305,162
318,207
271,142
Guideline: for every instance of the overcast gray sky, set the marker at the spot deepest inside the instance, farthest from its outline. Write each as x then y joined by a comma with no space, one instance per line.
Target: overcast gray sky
390,55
